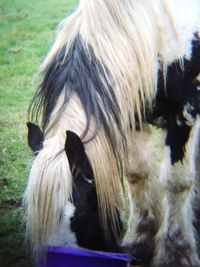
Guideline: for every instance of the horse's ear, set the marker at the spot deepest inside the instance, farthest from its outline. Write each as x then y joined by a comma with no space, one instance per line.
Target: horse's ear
77,157
35,137
74,148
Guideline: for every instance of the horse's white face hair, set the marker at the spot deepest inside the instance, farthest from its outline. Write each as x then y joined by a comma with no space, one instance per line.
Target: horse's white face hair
64,237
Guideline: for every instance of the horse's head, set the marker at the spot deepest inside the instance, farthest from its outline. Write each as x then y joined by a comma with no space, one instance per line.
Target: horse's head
82,213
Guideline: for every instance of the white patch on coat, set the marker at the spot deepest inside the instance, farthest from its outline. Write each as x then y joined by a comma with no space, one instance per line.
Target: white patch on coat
190,120
165,165
186,15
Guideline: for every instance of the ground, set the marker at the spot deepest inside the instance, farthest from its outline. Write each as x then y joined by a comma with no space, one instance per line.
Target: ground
27,30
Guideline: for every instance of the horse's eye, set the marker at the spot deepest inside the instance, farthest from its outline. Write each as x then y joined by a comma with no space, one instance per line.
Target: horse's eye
89,181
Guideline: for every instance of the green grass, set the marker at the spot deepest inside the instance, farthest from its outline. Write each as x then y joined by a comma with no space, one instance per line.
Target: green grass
27,30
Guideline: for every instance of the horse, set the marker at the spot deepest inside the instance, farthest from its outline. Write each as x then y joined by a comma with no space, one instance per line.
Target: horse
107,77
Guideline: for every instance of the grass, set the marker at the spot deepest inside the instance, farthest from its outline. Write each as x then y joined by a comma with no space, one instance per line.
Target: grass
27,30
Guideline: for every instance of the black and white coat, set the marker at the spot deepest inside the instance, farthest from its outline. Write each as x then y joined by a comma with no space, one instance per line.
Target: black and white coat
103,82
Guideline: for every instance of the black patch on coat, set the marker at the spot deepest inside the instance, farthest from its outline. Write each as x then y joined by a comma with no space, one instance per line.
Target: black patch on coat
86,222
181,90
176,139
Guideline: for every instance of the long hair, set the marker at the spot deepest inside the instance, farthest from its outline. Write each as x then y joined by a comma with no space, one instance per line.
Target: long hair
98,79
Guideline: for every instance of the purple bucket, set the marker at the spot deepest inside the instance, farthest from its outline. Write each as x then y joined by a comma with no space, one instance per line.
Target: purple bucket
75,257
